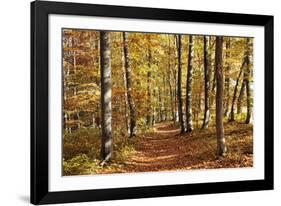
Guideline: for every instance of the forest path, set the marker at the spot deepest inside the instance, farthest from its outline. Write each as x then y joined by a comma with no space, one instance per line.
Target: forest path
165,149
159,150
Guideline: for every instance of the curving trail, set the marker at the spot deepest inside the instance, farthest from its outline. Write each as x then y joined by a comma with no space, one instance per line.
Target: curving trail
165,149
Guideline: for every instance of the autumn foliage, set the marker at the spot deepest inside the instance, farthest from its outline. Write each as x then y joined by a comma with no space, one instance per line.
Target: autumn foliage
157,108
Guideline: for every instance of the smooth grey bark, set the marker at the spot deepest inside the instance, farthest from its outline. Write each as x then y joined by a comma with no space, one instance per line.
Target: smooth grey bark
189,123
221,146
207,75
227,78
133,117
106,110
125,88
248,82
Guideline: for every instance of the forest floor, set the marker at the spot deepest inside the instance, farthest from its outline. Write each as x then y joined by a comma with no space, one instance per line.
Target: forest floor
166,149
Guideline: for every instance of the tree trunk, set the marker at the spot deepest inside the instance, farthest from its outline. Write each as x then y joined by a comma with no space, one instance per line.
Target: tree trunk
189,123
149,106
213,91
65,122
153,108
65,86
248,82
125,89
171,99
232,112
213,74
241,97
74,64
160,107
227,79
207,74
181,119
176,83
221,147
106,110
149,112
133,117
164,97
170,81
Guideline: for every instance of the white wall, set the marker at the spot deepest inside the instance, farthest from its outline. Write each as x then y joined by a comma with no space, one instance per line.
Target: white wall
14,102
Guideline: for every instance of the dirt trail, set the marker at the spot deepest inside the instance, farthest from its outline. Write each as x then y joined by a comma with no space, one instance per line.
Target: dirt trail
158,150
165,149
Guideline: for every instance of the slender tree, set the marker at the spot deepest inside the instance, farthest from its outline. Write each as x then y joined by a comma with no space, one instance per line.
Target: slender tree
232,112
248,82
165,107
176,80
106,111
66,72
189,123
126,115
154,113
221,146
149,96
207,75
181,119
213,71
133,117
160,103
170,73
241,96
227,78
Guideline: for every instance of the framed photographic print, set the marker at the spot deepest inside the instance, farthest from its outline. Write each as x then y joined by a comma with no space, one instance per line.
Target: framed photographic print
131,102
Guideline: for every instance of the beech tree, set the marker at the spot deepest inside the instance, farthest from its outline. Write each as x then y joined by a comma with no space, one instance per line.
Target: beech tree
241,96
227,77
106,111
128,69
248,83
189,123
221,146
170,81
125,85
207,75
180,104
244,66
149,83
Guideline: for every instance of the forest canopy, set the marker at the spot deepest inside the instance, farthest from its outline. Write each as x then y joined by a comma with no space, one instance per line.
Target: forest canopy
148,102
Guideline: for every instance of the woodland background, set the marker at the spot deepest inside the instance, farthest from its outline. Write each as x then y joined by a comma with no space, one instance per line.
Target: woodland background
120,85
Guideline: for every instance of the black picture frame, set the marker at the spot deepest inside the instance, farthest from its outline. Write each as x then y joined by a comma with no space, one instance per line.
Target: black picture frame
39,102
